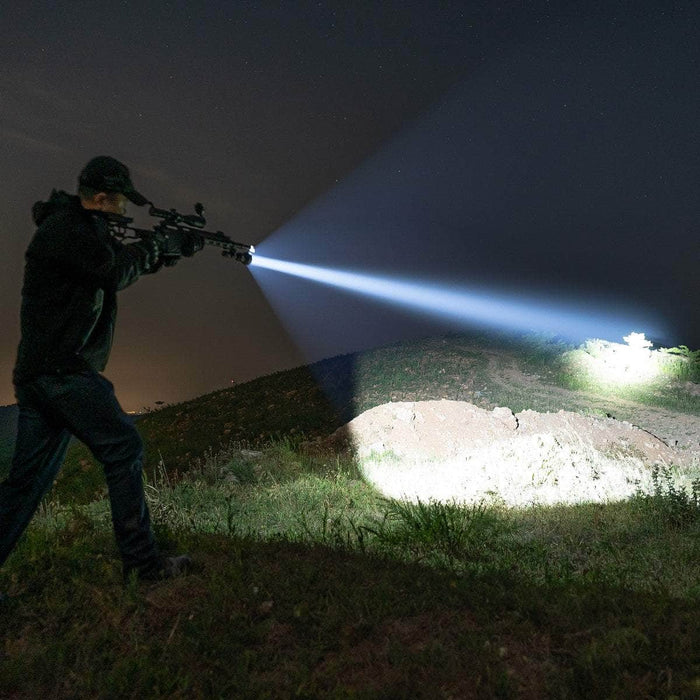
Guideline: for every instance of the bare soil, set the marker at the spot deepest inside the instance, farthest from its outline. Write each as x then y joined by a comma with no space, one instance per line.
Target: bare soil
444,429
456,449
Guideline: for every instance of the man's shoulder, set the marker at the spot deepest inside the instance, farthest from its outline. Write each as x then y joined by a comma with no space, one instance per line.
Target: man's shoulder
58,202
66,217
66,223
61,234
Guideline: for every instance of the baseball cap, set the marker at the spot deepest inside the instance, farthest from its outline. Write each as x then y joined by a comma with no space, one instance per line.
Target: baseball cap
107,174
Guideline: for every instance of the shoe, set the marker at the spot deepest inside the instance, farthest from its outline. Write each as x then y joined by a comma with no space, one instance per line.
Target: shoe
176,566
162,568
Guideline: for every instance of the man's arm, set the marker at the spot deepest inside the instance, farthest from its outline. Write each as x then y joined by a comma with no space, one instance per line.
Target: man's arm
91,255
131,261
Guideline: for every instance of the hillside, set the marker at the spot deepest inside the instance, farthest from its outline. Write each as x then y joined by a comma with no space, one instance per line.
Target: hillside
312,581
309,403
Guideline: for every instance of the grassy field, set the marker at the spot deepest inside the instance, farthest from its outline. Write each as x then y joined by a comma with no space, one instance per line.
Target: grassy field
310,584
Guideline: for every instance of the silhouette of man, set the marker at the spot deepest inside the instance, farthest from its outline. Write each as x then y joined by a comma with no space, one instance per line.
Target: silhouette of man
74,269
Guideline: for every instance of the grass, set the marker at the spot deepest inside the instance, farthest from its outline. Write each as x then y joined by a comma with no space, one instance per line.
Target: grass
310,584
673,369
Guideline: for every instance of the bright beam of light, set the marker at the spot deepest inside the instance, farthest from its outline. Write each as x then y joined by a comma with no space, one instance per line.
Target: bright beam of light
463,305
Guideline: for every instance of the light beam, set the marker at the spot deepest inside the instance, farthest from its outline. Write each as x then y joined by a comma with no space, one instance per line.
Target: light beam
465,306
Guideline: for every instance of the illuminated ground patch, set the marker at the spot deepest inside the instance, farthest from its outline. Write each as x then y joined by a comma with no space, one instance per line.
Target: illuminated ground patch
452,450
615,364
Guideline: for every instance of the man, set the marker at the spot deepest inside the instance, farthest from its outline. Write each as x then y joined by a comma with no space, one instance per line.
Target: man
74,269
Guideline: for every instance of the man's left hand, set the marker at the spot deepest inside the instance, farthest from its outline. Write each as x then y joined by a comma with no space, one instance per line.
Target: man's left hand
192,243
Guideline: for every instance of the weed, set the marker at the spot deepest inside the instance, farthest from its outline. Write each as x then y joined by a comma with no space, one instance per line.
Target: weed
670,503
447,533
681,363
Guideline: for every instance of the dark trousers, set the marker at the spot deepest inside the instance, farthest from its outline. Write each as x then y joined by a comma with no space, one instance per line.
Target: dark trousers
51,408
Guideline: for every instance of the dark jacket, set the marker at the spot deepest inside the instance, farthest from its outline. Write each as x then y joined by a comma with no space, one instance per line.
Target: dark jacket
73,271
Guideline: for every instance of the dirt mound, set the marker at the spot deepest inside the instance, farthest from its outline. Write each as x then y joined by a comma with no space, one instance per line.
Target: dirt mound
448,450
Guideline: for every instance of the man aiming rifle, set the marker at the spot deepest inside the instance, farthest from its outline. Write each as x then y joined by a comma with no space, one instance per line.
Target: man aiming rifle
74,269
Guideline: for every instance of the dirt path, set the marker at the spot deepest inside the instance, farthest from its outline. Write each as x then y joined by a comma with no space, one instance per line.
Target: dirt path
676,429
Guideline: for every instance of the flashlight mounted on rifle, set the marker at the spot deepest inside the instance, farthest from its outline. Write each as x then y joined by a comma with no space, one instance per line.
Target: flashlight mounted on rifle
175,232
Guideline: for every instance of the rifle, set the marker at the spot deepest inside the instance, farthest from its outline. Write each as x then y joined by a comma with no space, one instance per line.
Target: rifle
174,233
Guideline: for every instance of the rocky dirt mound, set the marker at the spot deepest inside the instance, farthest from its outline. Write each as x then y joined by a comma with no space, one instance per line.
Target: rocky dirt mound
452,450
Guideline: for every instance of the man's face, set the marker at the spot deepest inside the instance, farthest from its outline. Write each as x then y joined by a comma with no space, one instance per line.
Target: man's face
110,202
114,203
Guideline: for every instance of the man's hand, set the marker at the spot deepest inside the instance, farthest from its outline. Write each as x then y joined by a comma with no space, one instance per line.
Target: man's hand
152,249
191,243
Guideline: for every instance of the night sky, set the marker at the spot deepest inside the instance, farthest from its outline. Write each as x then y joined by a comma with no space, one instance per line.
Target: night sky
529,148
